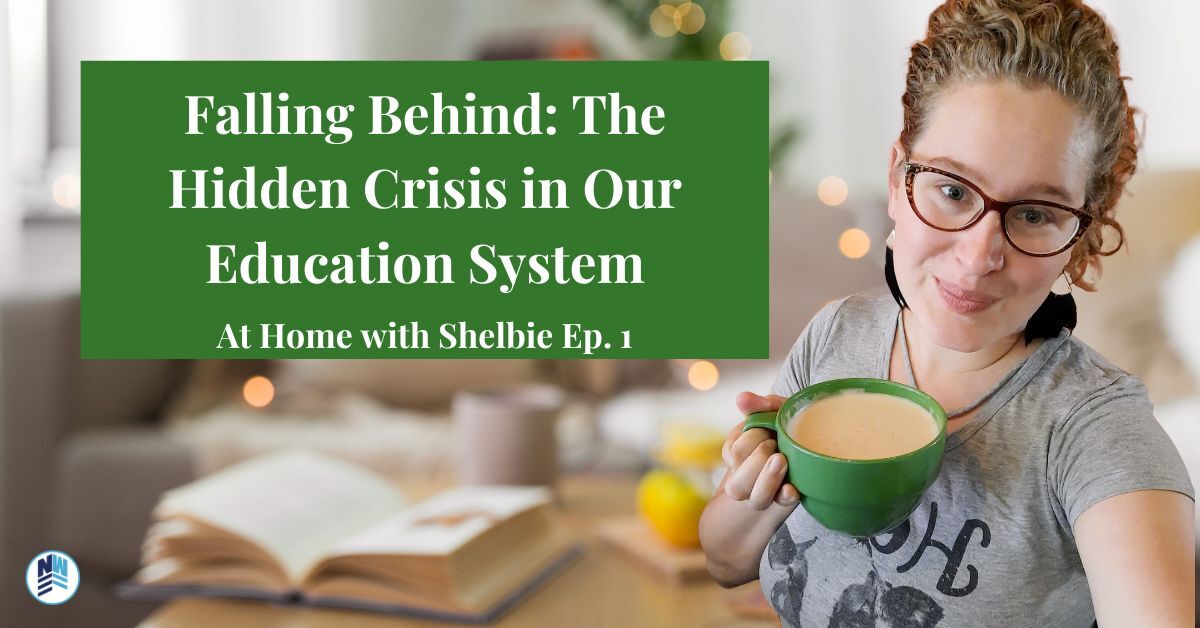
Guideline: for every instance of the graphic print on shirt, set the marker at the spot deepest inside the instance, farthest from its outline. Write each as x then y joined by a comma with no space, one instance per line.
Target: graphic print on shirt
954,555
873,599
863,605
783,553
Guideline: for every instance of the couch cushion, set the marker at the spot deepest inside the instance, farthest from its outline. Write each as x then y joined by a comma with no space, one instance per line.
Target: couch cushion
123,392
106,483
40,336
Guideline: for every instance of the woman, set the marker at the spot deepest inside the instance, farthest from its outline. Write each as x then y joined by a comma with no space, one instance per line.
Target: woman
1060,500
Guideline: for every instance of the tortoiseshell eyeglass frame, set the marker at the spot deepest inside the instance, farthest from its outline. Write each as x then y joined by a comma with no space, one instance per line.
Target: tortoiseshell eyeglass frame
911,169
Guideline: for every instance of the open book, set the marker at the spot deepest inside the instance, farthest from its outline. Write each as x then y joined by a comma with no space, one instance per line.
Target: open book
308,529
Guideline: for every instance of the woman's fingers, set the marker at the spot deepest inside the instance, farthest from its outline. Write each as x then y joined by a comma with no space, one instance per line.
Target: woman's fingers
787,495
746,444
727,448
749,403
767,484
737,444
741,483
757,472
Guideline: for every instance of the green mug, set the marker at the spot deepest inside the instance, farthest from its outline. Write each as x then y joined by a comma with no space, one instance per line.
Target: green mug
860,498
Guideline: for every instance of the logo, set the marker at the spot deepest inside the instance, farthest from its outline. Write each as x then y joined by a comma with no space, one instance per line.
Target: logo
52,577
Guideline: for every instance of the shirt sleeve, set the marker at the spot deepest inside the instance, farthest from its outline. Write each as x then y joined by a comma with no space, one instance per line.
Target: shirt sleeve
794,374
1111,444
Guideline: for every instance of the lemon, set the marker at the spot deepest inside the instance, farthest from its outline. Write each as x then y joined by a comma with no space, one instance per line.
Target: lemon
671,505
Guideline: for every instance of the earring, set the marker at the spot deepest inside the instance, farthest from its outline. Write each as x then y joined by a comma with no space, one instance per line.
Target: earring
889,271
1062,279
1056,313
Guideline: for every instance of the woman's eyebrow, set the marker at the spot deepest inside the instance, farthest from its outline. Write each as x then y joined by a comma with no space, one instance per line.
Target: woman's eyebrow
960,168
1042,190
1038,189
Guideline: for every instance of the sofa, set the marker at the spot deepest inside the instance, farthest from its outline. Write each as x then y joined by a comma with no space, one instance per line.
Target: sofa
81,460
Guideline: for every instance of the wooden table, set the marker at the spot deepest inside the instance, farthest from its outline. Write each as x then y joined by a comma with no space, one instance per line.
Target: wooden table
601,589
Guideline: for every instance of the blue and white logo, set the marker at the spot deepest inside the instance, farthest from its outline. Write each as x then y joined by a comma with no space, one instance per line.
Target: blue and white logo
52,577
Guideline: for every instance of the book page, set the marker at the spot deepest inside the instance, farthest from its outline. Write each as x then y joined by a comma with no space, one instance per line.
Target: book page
294,504
443,523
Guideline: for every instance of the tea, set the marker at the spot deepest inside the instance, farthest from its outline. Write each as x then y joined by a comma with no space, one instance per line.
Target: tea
862,426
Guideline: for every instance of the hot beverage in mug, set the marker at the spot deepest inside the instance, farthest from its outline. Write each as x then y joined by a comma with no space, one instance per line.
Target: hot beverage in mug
861,451
862,426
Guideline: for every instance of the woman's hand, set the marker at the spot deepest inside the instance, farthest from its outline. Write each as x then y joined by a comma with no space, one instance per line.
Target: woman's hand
756,469
750,504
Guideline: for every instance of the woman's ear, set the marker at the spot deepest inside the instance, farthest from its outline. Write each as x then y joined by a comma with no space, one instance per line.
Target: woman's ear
894,181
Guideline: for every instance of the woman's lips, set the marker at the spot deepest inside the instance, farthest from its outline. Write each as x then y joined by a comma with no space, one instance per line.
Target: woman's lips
963,301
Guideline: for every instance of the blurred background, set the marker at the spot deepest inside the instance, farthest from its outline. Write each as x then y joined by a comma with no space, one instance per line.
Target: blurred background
86,448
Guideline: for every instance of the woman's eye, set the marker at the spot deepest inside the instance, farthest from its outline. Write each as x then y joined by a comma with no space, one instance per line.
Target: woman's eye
1034,216
954,192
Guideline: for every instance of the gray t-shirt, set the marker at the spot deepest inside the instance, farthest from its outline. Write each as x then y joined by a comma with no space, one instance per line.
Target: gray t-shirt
991,543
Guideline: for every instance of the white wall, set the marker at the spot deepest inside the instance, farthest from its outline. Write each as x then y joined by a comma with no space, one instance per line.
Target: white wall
10,217
1160,50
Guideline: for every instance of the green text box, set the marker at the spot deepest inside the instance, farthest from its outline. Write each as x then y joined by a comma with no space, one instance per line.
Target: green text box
148,268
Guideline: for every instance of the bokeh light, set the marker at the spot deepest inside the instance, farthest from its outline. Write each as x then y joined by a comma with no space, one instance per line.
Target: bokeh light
832,191
735,46
689,18
662,21
258,391
703,375
65,190
854,243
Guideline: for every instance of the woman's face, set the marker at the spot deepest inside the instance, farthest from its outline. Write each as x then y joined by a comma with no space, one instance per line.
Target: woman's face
1014,143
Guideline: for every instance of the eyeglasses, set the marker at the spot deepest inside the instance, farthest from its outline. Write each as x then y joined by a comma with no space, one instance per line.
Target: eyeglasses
948,202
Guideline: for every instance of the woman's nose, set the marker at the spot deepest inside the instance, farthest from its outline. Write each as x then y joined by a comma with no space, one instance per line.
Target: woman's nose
981,248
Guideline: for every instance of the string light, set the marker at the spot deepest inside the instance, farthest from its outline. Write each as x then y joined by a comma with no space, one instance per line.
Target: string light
258,391
735,46
832,191
689,18
854,243
703,375
662,21
65,190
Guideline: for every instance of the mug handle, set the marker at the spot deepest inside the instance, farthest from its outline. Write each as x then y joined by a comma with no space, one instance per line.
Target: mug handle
765,420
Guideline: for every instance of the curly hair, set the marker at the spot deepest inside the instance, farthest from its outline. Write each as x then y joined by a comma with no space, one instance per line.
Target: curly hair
1058,44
